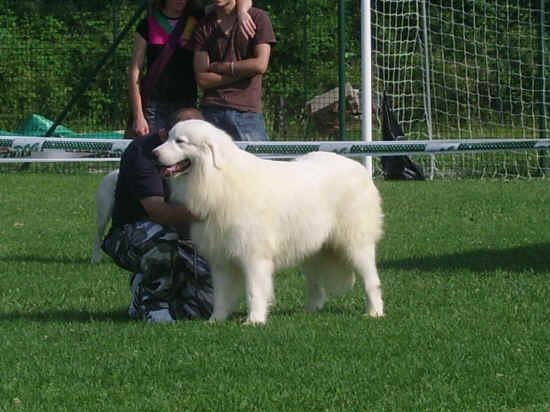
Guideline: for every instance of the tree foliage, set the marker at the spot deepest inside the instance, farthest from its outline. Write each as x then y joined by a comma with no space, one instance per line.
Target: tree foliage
48,49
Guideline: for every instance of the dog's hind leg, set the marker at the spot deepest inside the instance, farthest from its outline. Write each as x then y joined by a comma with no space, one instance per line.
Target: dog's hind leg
103,216
364,263
228,288
96,251
259,289
105,203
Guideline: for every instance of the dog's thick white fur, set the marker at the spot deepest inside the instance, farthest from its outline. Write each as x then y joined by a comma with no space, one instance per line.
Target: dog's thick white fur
257,216
104,204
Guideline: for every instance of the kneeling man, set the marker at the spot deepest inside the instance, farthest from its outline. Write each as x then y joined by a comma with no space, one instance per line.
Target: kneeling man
150,238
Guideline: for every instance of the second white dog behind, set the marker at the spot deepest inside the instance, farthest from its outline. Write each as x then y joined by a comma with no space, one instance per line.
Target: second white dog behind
258,216
104,204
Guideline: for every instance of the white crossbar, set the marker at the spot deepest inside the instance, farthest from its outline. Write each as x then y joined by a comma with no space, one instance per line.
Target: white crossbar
57,149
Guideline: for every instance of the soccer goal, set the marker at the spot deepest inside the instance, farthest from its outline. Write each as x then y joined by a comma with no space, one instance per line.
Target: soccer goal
454,71
465,69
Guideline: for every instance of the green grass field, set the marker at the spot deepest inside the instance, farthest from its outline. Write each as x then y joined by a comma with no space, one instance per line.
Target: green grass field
465,269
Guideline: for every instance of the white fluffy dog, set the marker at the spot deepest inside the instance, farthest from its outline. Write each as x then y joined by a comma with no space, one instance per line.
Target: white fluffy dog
104,204
257,216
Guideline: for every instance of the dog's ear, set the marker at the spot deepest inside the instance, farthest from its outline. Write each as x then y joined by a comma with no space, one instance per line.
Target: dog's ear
215,152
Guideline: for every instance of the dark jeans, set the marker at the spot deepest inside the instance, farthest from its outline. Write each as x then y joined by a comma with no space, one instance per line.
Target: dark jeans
159,114
241,126
172,271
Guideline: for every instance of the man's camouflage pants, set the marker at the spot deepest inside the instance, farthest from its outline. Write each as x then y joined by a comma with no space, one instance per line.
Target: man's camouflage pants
174,275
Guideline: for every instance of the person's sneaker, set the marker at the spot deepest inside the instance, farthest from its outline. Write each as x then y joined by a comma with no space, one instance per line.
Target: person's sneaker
159,313
155,306
134,311
142,303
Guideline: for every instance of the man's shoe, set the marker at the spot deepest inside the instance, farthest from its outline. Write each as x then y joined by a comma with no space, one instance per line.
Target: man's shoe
158,313
142,303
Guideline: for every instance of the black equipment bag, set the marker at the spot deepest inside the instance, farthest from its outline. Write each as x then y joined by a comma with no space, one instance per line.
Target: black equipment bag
396,167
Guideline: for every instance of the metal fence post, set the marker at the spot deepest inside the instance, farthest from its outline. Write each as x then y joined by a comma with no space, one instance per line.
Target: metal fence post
542,78
342,68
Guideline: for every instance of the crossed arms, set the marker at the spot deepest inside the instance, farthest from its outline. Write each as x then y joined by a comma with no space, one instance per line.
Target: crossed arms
210,75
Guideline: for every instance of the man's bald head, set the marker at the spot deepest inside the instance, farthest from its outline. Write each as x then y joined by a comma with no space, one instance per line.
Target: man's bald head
186,113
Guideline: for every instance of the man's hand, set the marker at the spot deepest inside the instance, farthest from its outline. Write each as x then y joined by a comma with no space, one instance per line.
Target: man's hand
166,213
220,68
246,24
210,75
140,125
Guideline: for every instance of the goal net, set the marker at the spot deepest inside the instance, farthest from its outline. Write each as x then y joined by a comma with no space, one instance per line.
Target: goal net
464,69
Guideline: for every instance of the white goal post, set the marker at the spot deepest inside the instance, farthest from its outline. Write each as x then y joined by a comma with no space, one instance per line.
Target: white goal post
366,78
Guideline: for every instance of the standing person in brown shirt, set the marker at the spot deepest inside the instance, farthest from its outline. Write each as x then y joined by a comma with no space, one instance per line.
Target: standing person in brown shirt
229,67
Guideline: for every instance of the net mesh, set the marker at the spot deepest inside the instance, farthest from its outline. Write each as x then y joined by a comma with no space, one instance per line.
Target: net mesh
464,69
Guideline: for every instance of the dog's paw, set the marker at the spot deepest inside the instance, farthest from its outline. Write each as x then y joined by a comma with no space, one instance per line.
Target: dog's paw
373,313
255,320
253,323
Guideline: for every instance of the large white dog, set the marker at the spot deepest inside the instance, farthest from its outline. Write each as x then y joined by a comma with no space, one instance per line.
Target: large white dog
257,216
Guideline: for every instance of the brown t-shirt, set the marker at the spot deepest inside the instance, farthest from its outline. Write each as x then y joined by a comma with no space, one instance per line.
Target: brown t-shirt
244,95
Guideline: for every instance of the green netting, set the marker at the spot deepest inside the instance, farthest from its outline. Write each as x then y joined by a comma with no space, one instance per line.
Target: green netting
37,125
103,135
5,133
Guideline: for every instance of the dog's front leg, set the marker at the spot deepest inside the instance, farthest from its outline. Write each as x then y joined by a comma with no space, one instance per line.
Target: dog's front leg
259,290
228,287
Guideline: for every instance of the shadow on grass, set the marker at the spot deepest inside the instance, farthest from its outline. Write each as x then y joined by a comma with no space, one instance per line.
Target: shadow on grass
67,316
534,257
45,259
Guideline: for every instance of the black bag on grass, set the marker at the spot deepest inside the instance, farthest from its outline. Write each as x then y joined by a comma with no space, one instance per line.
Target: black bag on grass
396,167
